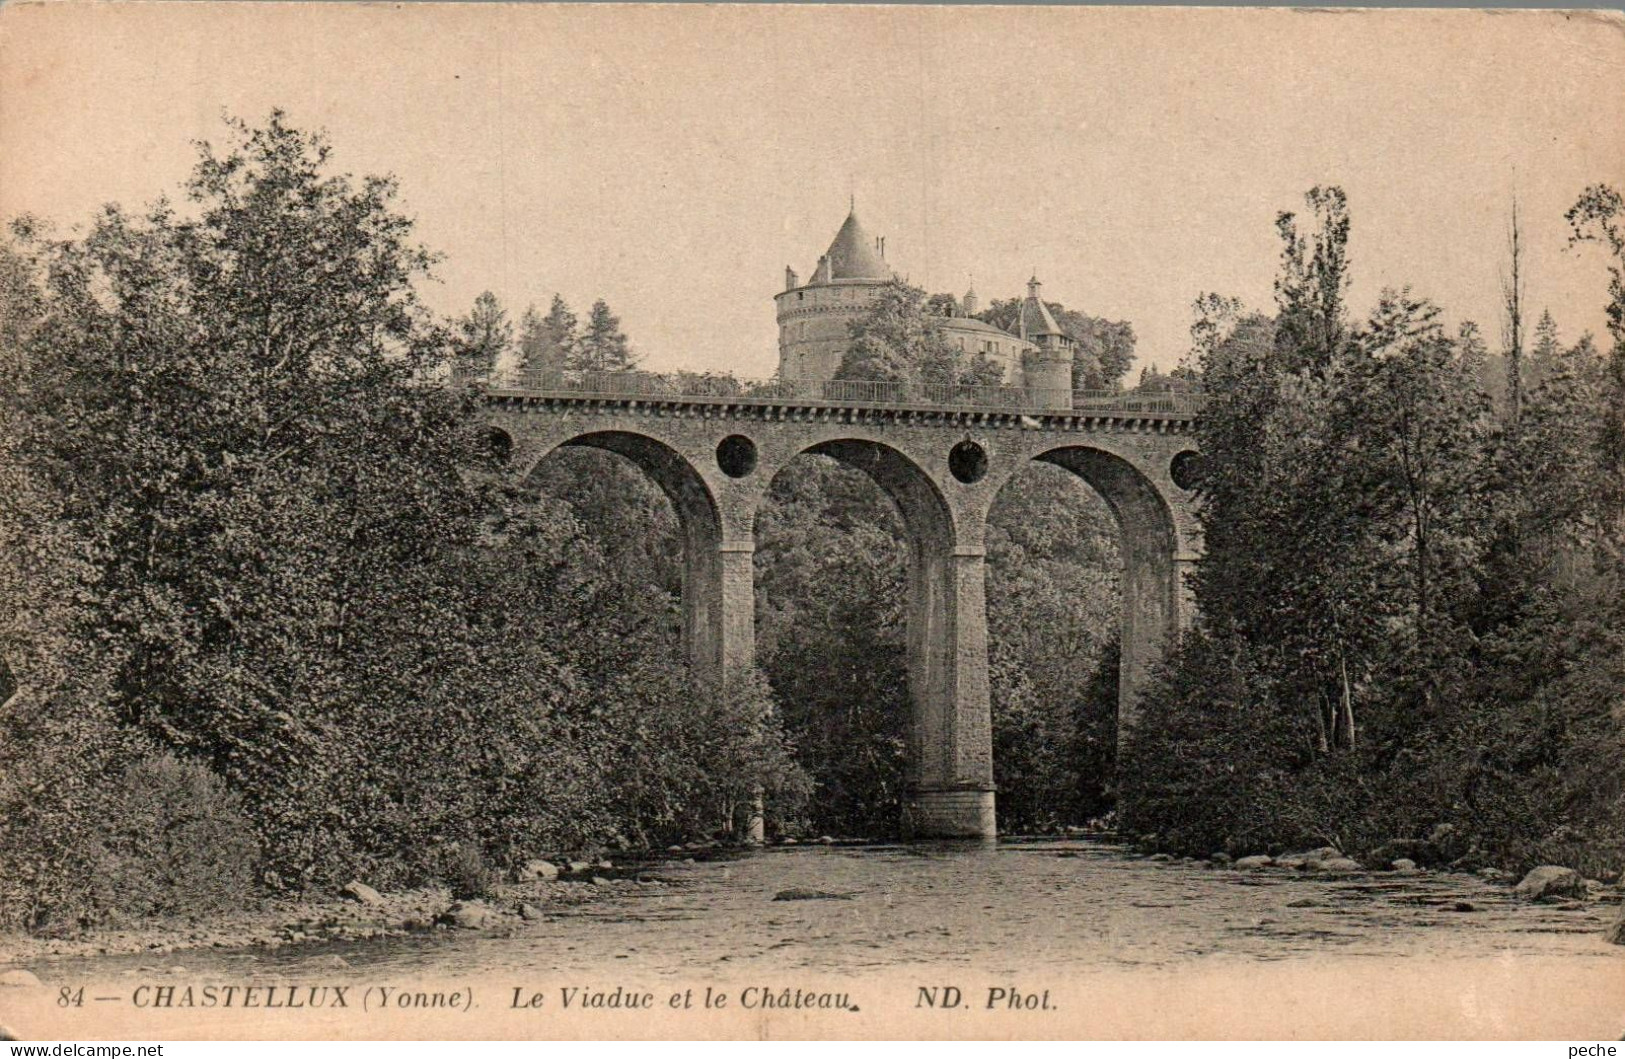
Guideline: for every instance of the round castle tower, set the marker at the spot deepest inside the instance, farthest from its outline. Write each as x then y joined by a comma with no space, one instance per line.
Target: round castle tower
815,322
815,318
1047,367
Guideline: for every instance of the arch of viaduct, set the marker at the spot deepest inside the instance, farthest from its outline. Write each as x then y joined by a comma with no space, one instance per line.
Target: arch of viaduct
716,457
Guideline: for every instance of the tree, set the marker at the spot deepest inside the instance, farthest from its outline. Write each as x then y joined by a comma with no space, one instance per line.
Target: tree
1559,476
830,589
1512,323
548,344
603,346
1598,216
1290,566
483,336
1214,319
1313,283
1544,354
898,340
278,613
1381,549
1053,608
230,408
1475,357
1105,349
1427,421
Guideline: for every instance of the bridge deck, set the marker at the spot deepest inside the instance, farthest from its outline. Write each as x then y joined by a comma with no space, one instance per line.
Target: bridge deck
854,394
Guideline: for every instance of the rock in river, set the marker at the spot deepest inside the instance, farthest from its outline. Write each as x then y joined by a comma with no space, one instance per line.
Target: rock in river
538,871
798,894
359,892
18,977
331,961
1616,934
1256,861
1550,880
1310,859
468,915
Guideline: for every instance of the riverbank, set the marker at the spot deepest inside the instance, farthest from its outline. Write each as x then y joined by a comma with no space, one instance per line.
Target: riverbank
1125,944
550,893
358,913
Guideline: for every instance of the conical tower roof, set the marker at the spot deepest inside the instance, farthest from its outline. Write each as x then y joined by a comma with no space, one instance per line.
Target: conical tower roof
853,256
1036,319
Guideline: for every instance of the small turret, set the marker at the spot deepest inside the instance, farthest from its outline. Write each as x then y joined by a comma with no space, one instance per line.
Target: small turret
1047,369
791,280
969,304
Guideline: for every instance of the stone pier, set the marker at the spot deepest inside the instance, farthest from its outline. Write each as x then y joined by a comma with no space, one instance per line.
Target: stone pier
715,457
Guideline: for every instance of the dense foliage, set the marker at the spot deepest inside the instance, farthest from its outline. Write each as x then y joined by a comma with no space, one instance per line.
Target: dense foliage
262,584
1105,348
1413,597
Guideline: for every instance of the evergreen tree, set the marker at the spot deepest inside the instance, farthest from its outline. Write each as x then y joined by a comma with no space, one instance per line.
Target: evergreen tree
1560,475
548,344
483,336
603,346
1474,354
1544,354
530,343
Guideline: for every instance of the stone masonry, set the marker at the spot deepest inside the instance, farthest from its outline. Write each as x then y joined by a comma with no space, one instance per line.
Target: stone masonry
715,458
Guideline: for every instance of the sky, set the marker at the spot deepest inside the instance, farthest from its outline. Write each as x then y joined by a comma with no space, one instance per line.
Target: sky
673,160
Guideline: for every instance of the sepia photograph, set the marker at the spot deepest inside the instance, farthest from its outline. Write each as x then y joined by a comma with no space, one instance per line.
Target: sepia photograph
681,521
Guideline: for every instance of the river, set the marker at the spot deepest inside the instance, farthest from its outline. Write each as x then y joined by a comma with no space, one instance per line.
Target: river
1037,911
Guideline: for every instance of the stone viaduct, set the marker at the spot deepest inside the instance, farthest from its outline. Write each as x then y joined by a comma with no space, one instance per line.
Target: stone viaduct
943,465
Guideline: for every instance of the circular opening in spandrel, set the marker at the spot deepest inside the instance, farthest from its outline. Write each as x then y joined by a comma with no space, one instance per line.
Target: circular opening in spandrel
497,445
1187,469
736,455
967,461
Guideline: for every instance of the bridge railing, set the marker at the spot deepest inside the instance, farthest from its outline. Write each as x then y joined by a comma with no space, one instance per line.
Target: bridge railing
840,392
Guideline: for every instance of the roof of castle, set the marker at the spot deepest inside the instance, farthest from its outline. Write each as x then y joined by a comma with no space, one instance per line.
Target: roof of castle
1036,318
970,323
852,255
